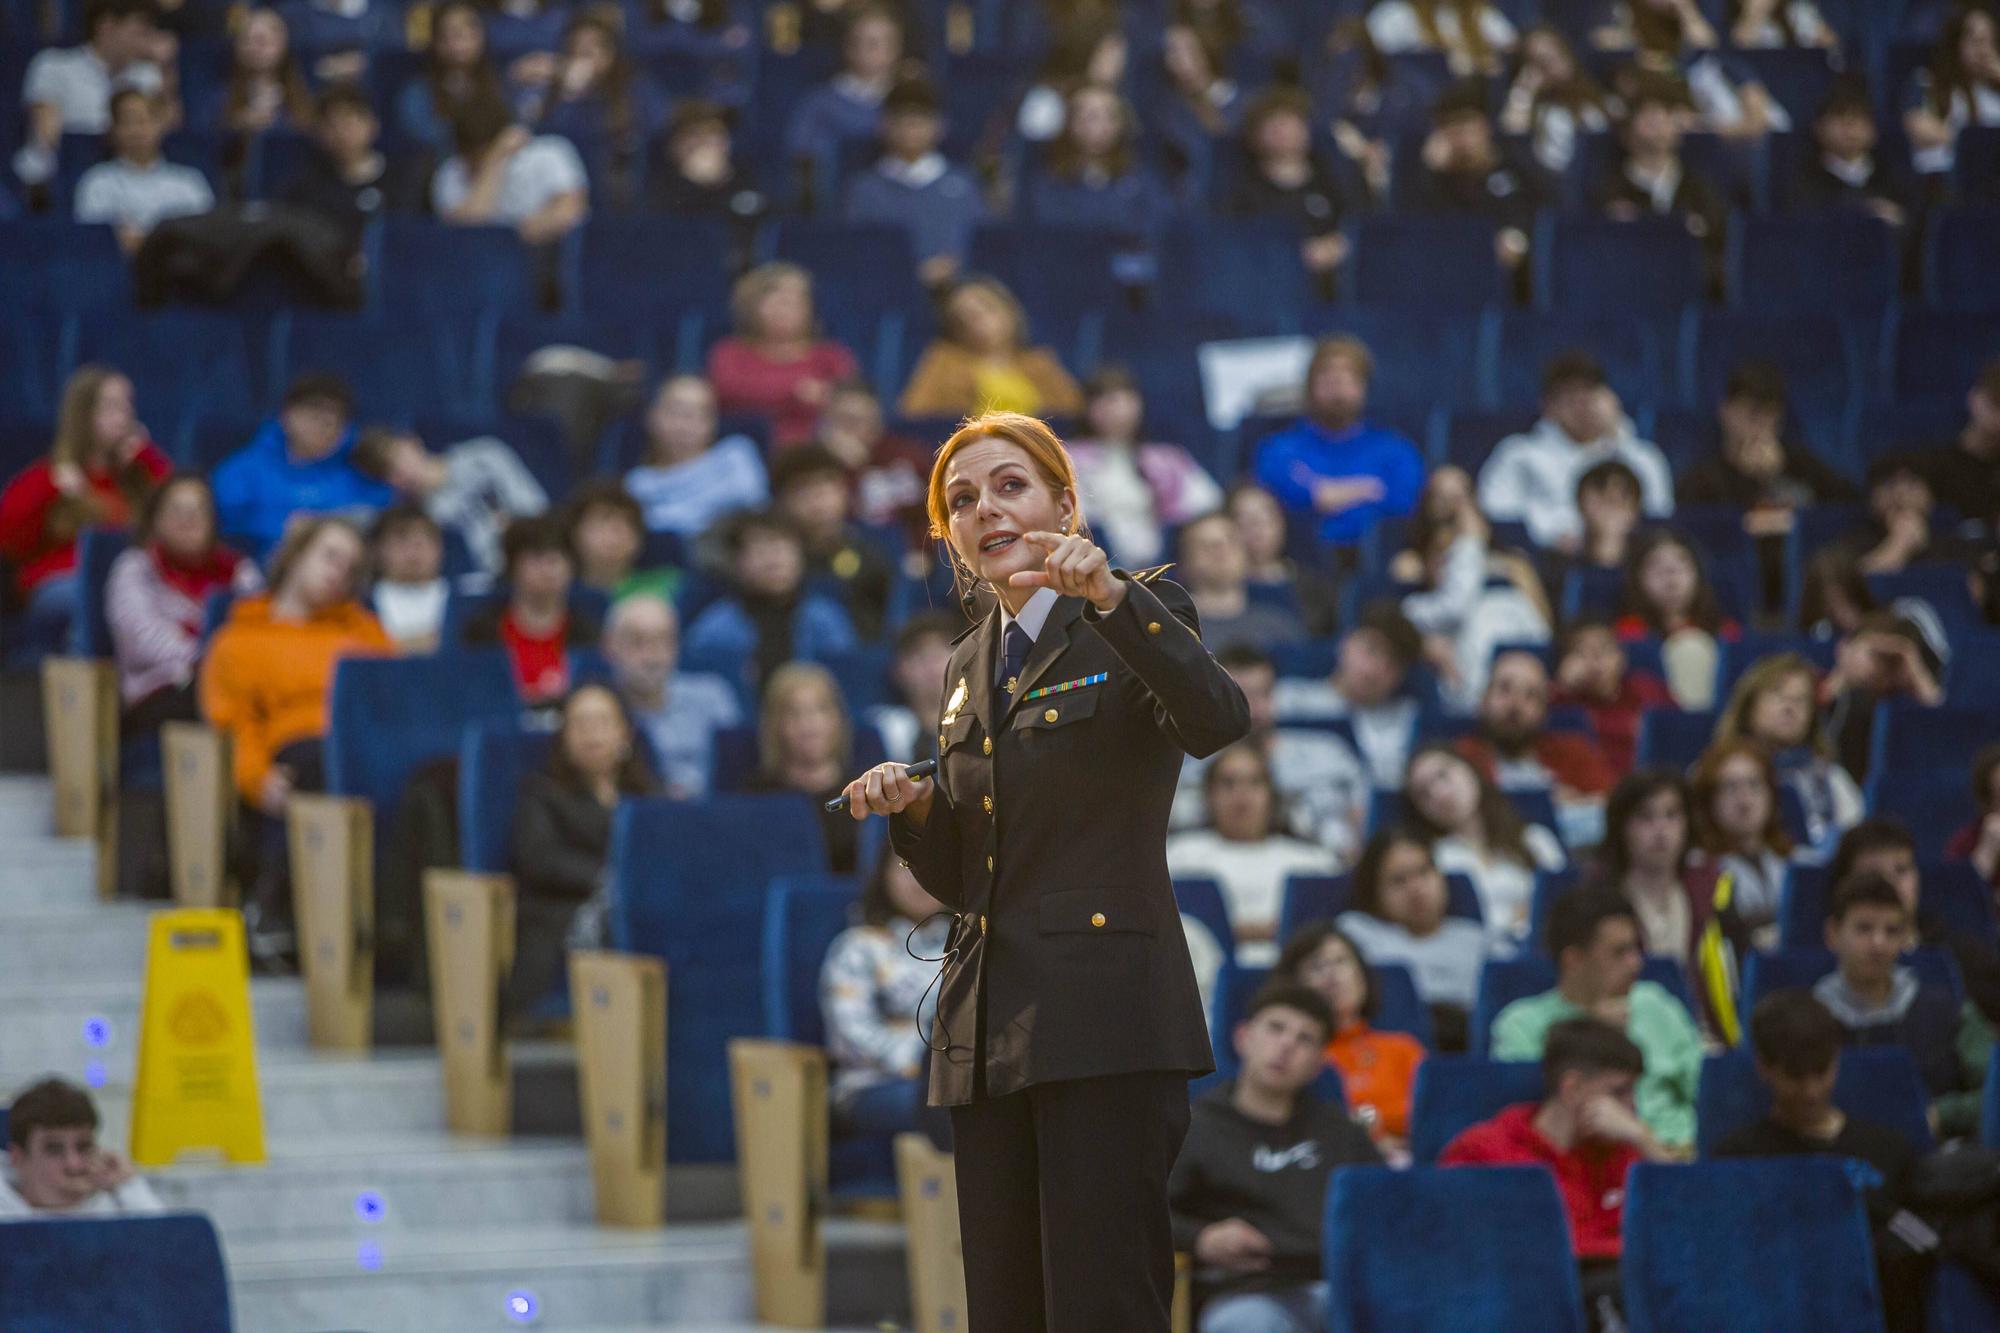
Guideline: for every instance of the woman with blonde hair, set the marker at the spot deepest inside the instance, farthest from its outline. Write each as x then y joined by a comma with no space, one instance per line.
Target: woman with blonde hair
981,363
776,364
805,743
1776,704
1069,1020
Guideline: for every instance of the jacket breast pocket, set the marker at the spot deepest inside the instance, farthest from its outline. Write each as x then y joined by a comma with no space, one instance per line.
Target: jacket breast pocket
1095,912
957,733
1054,712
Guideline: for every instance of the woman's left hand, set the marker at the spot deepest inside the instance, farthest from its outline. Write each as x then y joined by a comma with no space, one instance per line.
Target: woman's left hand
1075,567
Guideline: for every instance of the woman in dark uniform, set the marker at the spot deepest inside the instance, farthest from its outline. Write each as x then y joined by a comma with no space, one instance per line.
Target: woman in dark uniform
1068,1022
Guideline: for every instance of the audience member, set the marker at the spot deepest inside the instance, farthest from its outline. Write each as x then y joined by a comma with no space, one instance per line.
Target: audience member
981,363
1281,177
606,531
346,179
1136,490
689,479
475,488
1668,598
100,466
156,597
1201,103
533,619
1089,48
922,651
299,462
1654,180
1902,527
68,91
595,94
1333,465
677,712
1879,1001
457,73
1797,1044
1398,914
1533,478
1373,103
1260,521
408,596
1609,504
1675,46
1245,848
1593,934
1472,35
810,489
697,175
1513,745
805,743
1884,660
1093,176
1779,24
502,175
1845,170
1959,88
1979,841
1755,470
776,365
1552,99
1882,846
1739,831
1462,170
56,1165
876,997
138,189
1475,831
1378,1069
1367,689
849,106
265,89
1249,1187
769,617
265,683
562,843
1776,704
1593,673
1967,468
889,472
1213,568
914,186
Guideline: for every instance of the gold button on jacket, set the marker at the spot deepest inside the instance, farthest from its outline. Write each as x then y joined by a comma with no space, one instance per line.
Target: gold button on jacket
1097,919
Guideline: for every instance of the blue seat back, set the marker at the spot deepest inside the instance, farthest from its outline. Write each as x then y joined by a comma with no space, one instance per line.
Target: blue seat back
1766,971
158,1274
1876,1083
96,548
1960,1302
1674,737
1439,1251
1953,892
802,915
736,759
387,715
1312,898
689,885
1649,267
1202,899
1690,1262
1455,1092
493,758
1934,803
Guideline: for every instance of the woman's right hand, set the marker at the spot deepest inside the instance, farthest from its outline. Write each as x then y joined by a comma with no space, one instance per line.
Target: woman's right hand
887,790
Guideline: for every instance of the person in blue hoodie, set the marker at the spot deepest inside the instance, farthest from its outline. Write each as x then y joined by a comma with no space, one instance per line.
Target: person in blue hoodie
300,461
912,185
770,616
1333,466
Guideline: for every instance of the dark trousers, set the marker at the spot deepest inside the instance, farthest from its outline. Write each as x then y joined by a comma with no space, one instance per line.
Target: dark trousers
1062,1204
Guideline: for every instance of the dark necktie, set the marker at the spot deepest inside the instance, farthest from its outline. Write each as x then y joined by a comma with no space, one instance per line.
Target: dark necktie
1014,655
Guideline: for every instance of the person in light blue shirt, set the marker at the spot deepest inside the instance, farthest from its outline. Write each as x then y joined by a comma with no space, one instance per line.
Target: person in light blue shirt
769,616
1333,465
299,462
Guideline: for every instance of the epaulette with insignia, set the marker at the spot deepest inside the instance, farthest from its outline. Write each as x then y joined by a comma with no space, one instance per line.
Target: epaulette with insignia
1148,575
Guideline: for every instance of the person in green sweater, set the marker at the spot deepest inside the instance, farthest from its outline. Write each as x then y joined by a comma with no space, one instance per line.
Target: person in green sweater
1593,935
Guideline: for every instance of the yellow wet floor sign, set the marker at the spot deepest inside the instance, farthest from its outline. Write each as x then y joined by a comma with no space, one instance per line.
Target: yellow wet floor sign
197,1051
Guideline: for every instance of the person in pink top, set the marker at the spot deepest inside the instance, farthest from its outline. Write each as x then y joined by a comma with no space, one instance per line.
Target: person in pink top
776,365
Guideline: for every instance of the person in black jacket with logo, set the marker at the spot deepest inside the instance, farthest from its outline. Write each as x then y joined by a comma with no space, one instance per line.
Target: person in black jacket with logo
1068,1022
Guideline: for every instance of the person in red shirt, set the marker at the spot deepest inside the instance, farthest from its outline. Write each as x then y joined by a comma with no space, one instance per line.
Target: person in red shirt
1513,746
775,365
1979,841
536,624
1594,674
102,465
1586,1133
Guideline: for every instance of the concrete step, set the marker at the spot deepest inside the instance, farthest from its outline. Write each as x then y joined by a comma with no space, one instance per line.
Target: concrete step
27,806
308,1099
104,942
48,874
64,1025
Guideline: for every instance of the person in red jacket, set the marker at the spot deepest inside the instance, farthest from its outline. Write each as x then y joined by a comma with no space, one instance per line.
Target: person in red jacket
1513,745
1586,1133
103,463
777,365
1594,673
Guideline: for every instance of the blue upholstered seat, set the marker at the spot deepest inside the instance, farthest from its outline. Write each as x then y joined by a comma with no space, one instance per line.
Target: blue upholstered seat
157,1274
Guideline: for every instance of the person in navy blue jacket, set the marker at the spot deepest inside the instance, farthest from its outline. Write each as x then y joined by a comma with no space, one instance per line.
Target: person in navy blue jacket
1094,177
1068,1021
300,461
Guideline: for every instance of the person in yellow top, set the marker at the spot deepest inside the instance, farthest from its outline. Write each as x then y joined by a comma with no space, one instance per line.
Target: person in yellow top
980,363
265,685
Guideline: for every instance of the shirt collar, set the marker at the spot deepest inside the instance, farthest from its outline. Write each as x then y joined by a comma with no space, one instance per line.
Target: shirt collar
1855,173
916,175
1034,614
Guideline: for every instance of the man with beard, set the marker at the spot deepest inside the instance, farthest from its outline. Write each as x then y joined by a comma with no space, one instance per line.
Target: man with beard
1514,747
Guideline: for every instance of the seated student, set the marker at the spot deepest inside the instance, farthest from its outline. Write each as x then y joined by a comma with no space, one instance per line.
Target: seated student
348,180
1845,171
914,186
1880,1002
1593,934
849,106
406,551
1979,841
1653,180
457,69
156,597
805,744
1776,704
1473,35
1715,92
606,531
876,999
1514,747
265,88
1960,87
980,362
1552,99
1213,569
1317,776
265,684
1668,597
1249,1187
769,616
1587,1132
475,488
1885,659
677,712
55,1164
1474,830
68,90
562,840
688,477
1903,526
1462,170
889,472
593,92
1334,466
1770,25
923,650
1093,176
300,461
1397,915
501,175
810,490
1281,177
1533,478
1378,1069
1593,673
138,189
1755,469
1882,845
1366,688
534,622
1966,466
696,174
1136,490
1797,1046
1244,848
1088,48
1739,831
1260,520
776,365
1608,505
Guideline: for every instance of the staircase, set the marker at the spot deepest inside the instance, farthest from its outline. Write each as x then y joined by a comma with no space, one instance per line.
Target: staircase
368,1216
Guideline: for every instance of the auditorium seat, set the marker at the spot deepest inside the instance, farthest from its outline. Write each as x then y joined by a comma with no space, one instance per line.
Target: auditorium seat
494,756
1934,803
156,1274
1876,1083
1818,263
649,268
1779,1245
1425,357
1519,344
736,755
399,368
175,358
1455,1092
62,265
1202,900
1952,892
1424,264
1961,255
1753,646
1056,273
1938,354
1623,269
457,271
1207,267
1767,971
1821,366
1674,737
1907,735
